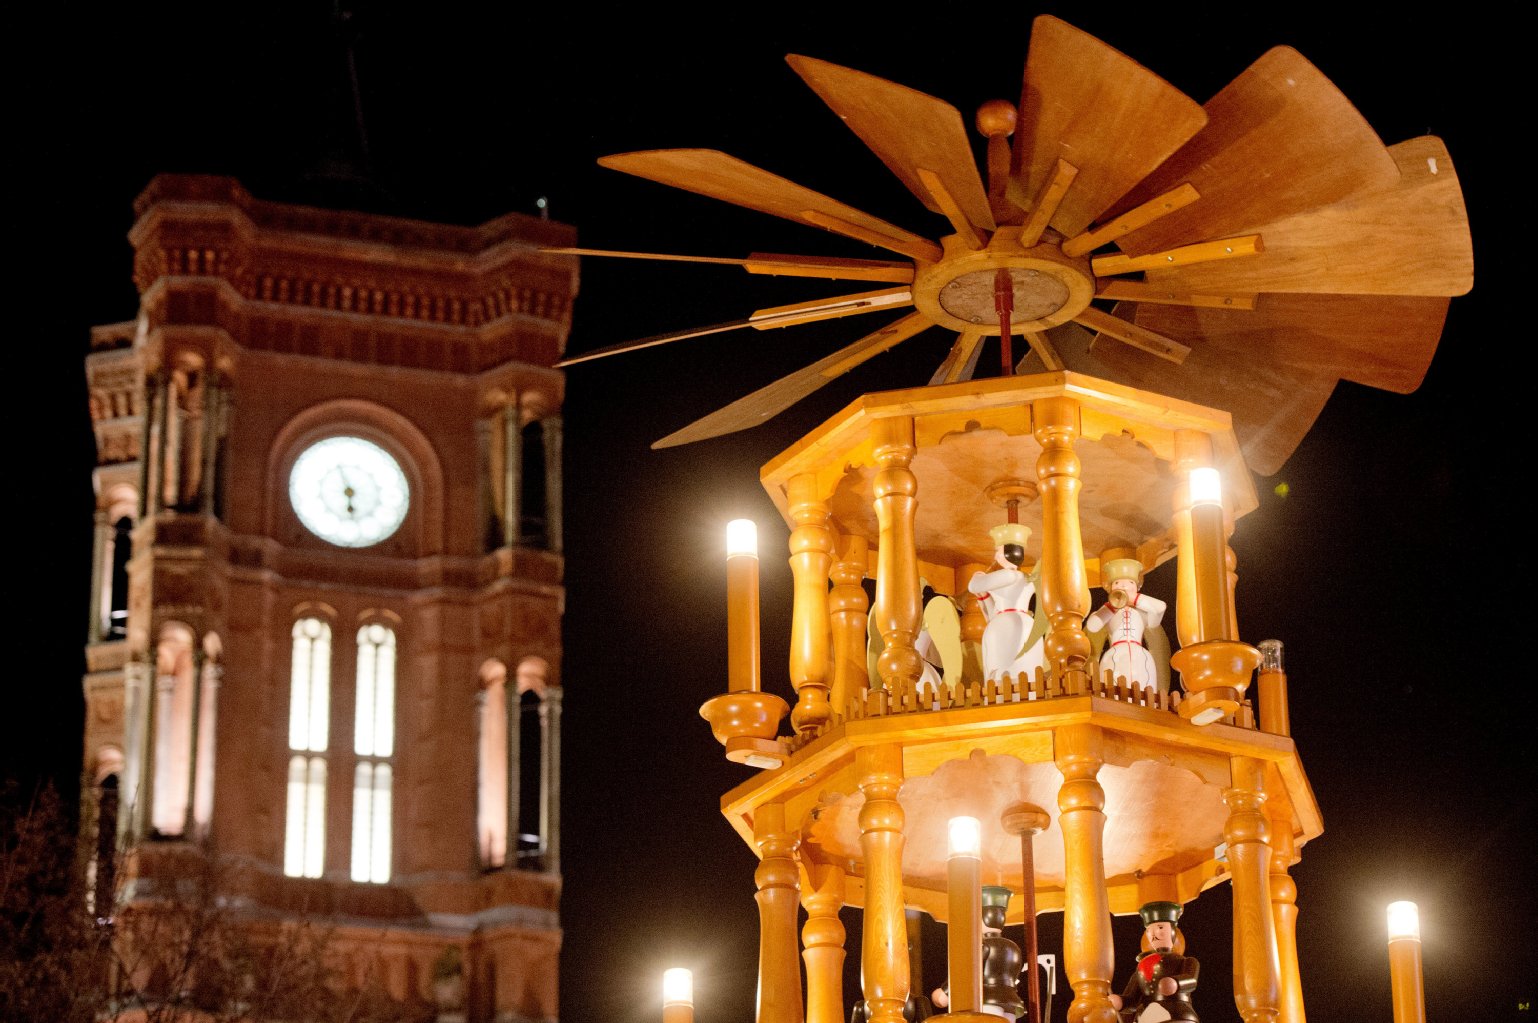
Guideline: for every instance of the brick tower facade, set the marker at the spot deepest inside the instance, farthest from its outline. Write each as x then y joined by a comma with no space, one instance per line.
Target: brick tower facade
325,624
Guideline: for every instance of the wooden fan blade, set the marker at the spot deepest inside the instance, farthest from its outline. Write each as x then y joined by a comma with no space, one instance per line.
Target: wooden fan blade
1280,139
1104,113
1410,238
653,341
780,265
1383,341
772,263
961,362
770,401
1273,403
715,174
909,130
829,308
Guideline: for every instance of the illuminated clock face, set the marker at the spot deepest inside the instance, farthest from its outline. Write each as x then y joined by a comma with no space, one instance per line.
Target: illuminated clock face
348,491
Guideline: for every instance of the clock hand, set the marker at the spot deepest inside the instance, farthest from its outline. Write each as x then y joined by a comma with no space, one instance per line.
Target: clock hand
347,490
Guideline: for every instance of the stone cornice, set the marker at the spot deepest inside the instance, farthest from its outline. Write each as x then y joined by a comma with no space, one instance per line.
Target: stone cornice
487,278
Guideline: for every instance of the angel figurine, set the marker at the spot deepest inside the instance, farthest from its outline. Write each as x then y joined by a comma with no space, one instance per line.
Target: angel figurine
1011,639
1125,633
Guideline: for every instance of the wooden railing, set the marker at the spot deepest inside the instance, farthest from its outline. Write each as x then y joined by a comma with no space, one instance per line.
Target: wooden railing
925,697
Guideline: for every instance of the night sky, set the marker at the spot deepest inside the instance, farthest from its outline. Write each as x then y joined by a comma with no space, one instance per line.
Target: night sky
1384,569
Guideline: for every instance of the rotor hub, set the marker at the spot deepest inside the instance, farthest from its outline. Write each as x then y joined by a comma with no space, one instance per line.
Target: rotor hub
971,296
958,292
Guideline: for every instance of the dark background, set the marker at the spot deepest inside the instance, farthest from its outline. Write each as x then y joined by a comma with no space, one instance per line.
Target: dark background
1393,569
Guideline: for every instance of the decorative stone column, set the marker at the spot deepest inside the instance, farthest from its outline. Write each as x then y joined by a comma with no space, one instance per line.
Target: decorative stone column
779,885
136,700
101,576
1063,595
213,428
897,607
811,549
884,945
550,792
1256,967
207,747
822,893
550,428
1087,952
512,473
514,767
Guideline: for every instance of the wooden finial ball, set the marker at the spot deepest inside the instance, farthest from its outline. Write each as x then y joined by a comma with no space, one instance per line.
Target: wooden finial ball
996,118
1025,819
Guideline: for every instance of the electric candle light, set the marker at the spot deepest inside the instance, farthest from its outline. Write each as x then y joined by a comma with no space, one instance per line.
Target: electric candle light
677,996
742,606
965,934
1404,963
1206,487
741,538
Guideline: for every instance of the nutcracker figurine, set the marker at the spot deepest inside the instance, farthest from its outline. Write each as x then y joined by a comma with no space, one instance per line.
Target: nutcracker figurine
1161,985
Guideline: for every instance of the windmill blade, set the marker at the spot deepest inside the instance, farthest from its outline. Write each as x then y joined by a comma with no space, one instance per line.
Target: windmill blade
909,130
776,264
1383,341
715,174
764,319
1273,403
770,401
1411,238
652,342
961,362
1102,112
1280,139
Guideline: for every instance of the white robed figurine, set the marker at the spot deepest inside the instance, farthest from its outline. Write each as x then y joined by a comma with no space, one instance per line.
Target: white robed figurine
1136,648
1009,644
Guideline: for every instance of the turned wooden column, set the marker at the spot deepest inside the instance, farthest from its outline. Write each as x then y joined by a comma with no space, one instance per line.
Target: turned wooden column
1027,820
1063,591
1284,913
779,887
847,605
1256,967
1087,953
822,893
811,554
897,607
884,944
973,622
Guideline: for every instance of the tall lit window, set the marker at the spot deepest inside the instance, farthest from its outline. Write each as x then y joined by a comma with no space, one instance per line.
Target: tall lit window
304,847
374,743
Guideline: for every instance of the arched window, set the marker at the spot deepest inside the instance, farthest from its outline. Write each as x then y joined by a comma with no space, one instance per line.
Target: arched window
304,849
491,816
374,743
309,706
531,504
117,578
520,750
304,845
174,699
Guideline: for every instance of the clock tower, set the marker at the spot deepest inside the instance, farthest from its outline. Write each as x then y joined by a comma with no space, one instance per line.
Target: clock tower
325,621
